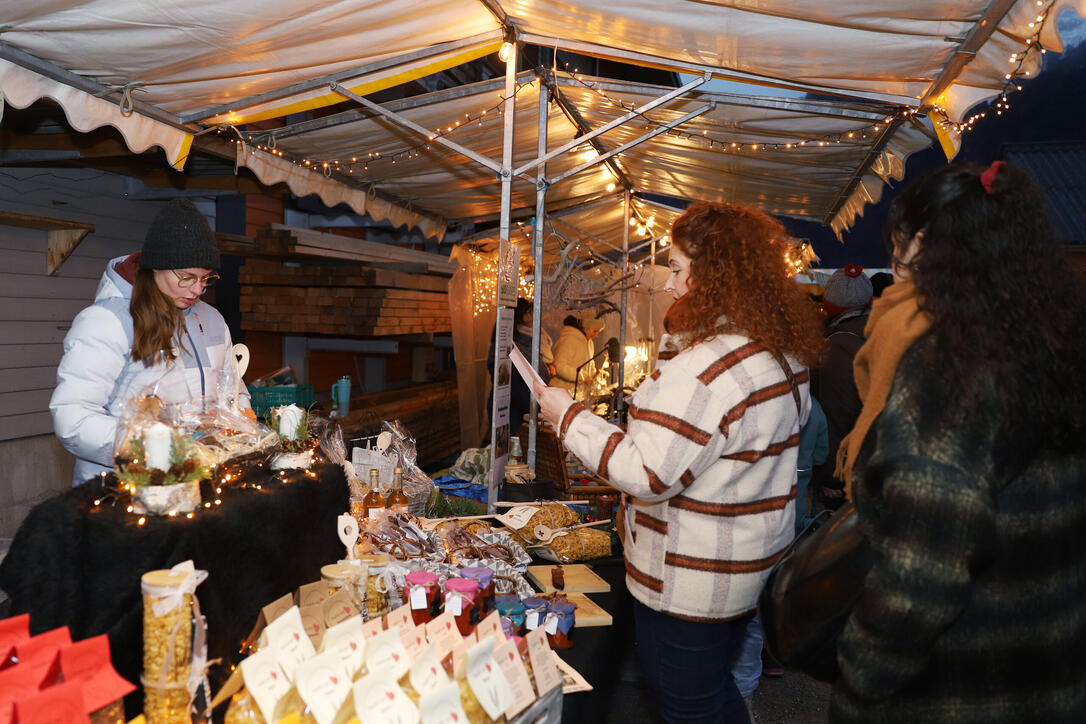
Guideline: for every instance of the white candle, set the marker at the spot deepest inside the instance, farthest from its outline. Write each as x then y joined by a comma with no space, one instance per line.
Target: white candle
289,419
157,441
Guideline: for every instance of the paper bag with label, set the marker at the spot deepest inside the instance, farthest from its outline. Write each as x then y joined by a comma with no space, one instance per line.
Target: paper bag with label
312,594
508,659
269,613
265,681
313,622
383,701
322,686
287,637
346,641
487,680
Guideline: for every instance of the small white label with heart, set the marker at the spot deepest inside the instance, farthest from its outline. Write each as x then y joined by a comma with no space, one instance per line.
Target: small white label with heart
322,686
346,641
287,637
427,673
383,701
385,652
443,633
509,660
265,680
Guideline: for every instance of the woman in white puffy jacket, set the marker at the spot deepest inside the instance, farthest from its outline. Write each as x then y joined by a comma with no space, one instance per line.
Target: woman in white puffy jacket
147,329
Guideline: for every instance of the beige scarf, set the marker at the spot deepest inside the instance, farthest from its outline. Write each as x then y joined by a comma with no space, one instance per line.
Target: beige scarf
896,322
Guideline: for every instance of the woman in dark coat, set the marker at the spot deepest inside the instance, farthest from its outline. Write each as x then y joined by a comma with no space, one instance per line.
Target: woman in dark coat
968,466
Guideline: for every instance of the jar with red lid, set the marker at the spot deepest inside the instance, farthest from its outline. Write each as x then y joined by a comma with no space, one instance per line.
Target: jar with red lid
423,595
462,593
561,617
485,578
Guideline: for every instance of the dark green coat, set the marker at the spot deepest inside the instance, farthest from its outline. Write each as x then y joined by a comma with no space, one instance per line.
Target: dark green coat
976,609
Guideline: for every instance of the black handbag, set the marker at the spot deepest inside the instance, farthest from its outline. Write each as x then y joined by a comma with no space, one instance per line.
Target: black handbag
812,589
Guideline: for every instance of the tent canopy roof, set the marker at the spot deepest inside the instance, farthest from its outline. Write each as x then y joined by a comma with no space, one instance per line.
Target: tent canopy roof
185,67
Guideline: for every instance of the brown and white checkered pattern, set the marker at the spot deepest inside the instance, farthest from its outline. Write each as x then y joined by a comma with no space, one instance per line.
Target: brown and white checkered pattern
709,458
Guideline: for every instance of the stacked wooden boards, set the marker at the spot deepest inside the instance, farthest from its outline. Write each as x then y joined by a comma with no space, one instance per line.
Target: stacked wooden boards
342,301
579,580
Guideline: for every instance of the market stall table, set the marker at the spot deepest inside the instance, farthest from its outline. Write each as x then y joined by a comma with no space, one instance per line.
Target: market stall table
77,565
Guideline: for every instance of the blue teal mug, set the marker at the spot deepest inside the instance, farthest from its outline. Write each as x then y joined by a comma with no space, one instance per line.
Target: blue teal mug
341,395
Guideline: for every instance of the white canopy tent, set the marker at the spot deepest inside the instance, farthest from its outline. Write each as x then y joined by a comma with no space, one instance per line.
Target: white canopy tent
166,73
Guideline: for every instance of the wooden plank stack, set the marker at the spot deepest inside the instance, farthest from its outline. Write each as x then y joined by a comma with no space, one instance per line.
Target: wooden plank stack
344,301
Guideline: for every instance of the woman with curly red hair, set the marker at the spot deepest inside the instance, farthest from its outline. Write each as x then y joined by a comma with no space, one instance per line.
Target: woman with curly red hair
707,465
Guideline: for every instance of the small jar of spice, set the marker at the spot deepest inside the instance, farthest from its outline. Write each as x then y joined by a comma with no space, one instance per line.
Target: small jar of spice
535,610
422,594
460,594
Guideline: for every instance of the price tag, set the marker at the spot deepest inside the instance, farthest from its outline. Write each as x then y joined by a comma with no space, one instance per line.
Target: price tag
443,633
531,621
401,617
511,665
385,652
265,680
383,701
539,653
322,686
288,639
442,705
418,598
427,673
487,680
346,641
454,604
550,623
518,517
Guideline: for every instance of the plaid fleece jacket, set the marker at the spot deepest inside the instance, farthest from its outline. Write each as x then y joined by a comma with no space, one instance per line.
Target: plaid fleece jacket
709,459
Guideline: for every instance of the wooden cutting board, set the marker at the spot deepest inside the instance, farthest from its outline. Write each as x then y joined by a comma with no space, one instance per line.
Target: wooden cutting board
579,577
589,613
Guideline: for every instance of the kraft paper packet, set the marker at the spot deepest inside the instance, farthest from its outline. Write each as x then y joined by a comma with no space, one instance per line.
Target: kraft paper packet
442,705
269,613
346,642
338,608
312,594
60,703
88,662
287,637
385,653
384,702
508,659
539,653
265,681
487,681
313,622
322,686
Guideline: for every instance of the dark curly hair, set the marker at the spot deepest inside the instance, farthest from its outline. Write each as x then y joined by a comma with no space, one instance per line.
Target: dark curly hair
738,270
1006,306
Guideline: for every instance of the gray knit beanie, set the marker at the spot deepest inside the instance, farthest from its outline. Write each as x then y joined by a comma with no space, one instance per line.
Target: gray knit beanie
180,238
847,288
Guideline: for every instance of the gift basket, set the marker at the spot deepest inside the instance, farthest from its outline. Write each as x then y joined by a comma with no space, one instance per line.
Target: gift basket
392,448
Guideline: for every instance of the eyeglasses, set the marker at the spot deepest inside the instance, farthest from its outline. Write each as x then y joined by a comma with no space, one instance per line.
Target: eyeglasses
187,280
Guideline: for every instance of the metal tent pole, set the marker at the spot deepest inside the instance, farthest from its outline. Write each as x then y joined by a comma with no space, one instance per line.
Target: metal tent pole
537,248
620,406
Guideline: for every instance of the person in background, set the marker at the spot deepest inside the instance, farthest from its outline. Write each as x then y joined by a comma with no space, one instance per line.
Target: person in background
572,350
968,466
846,302
879,282
520,397
814,449
707,465
147,328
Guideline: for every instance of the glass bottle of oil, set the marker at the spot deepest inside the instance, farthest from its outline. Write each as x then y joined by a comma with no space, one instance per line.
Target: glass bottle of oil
397,501
373,501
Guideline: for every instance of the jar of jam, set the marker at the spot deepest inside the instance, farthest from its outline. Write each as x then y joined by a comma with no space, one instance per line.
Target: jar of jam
535,610
466,591
485,578
512,609
561,620
422,594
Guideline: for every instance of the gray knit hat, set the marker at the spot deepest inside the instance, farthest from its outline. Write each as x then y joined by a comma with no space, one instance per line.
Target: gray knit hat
847,288
180,238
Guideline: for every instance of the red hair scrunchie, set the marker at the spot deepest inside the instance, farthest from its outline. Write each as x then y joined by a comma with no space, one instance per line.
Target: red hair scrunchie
988,177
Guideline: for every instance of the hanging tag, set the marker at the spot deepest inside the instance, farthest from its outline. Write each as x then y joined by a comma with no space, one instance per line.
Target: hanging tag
347,528
454,604
550,624
418,598
531,621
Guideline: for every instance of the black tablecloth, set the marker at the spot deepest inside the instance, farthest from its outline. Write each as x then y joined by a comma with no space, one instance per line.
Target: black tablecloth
600,652
75,565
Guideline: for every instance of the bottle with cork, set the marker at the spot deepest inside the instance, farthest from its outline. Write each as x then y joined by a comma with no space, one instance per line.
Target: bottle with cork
397,502
373,501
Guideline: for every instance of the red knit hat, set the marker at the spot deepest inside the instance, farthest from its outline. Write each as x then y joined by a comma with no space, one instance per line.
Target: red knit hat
848,288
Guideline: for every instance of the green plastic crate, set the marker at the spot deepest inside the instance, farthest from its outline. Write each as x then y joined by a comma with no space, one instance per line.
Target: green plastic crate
264,398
